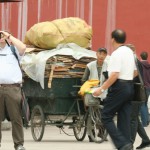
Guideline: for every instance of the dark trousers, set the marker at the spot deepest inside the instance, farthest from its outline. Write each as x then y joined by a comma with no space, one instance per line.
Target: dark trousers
10,98
136,125
118,101
144,111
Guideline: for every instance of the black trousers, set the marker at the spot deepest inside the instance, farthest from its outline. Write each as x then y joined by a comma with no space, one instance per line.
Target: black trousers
118,101
136,125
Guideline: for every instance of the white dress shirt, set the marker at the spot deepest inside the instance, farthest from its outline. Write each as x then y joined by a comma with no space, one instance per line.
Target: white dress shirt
10,72
122,61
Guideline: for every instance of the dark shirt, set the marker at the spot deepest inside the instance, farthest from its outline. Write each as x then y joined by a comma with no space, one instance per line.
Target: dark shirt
146,73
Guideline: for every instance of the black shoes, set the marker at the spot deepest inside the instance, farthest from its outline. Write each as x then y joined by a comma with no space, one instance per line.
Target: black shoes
143,145
128,146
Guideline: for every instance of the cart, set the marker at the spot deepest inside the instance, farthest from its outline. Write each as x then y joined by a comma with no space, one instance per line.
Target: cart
58,106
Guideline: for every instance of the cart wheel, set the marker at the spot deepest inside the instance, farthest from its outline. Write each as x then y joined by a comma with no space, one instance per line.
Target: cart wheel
95,127
37,123
79,128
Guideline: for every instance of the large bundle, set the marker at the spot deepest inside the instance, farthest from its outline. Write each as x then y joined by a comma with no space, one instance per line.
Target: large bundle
66,66
48,35
61,66
66,61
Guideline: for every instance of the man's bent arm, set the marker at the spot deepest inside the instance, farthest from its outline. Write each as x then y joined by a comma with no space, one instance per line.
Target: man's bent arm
112,78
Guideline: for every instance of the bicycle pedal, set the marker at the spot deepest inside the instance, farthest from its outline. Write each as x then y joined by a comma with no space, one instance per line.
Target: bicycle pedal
71,126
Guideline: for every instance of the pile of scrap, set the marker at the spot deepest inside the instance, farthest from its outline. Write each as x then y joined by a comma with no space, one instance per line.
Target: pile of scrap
48,36
66,66
57,66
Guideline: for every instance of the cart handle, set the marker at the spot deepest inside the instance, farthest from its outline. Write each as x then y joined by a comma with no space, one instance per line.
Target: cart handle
77,86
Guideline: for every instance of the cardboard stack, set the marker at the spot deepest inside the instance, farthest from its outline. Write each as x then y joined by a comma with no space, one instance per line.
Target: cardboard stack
66,66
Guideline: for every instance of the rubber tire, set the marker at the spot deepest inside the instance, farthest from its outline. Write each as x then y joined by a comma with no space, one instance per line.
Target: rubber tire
78,128
93,128
37,110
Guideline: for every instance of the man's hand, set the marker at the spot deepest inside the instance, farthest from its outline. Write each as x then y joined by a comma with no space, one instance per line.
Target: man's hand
16,42
4,35
97,92
112,78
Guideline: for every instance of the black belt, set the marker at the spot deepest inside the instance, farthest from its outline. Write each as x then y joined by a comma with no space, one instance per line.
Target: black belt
126,81
10,85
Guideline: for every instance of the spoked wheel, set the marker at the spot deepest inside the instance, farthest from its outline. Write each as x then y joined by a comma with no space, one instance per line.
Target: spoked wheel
79,128
95,127
37,123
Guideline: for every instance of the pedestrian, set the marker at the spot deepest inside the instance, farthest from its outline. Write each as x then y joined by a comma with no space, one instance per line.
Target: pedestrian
146,78
10,86
136,125
121,70
96,70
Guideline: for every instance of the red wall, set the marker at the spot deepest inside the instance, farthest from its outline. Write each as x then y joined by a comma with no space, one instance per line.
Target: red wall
134,17
103,15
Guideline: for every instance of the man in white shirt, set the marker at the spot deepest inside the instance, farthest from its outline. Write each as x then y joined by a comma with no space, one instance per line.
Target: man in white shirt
10,89
121,69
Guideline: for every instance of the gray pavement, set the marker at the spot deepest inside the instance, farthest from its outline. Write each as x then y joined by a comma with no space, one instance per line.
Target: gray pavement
53,139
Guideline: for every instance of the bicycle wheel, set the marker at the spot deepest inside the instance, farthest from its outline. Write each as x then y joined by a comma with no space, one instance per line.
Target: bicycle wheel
95,127
80,128
37,123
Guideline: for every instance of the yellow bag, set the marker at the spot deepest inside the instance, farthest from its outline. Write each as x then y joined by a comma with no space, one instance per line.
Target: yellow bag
43,35
87,86
48,35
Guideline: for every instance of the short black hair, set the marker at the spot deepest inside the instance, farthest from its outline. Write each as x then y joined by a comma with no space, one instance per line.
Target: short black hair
144,55
119,36
102,49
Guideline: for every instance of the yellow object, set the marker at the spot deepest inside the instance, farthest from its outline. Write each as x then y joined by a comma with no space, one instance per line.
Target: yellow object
87,86
48,35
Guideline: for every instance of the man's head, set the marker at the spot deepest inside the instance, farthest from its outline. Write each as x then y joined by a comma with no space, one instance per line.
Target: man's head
118,36
144,55
101,55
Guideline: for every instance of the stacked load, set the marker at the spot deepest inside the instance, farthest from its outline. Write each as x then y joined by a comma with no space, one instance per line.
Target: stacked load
66,66
48,36
67,62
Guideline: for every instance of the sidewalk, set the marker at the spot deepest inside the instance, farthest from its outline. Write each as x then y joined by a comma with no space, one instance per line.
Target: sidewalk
53,139
6,125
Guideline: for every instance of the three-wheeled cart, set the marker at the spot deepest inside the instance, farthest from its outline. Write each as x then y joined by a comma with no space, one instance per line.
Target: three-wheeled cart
48,105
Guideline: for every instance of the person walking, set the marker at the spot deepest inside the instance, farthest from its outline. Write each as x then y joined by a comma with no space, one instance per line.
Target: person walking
96,70
121,70
136,125
146,78
10,87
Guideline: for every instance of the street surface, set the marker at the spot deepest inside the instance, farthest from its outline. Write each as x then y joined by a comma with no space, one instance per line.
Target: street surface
53,139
